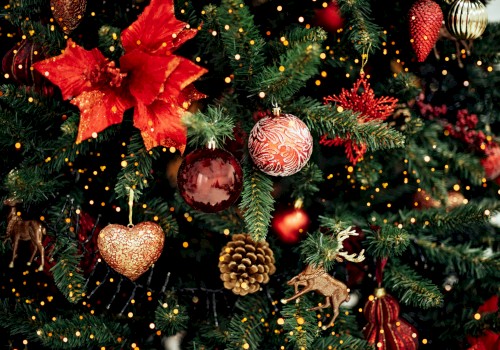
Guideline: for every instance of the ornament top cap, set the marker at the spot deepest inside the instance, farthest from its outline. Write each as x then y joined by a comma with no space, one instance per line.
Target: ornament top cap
380,292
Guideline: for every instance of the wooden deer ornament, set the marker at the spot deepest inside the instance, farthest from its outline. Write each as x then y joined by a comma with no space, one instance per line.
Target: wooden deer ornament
24,230
315,278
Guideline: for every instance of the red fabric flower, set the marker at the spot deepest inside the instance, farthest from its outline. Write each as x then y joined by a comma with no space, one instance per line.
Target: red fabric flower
360,98
150,78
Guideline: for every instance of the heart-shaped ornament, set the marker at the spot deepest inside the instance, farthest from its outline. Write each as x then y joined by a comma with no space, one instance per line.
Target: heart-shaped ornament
131,250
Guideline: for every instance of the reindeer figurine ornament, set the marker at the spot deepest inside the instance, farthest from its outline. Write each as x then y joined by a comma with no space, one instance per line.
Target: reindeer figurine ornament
24,230
315,278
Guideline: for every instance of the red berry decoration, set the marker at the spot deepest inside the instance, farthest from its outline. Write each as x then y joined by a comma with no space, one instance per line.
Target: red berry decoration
290,224
210,180
280,145
385,329
329,17
425,19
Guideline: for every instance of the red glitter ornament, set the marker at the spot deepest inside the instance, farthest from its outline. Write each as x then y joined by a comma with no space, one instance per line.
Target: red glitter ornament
360,98
385,329
280,145
425,20
131,251
290,224
18,61
210,180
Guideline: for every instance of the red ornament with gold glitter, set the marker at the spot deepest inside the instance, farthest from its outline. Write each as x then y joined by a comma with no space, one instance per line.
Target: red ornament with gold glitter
131,250
385,329
68,13
290,224
280,145
210,180
150,78
18,61
425,20
360,98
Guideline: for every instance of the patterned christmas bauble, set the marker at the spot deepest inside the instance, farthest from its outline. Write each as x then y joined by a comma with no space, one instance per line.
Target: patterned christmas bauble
131,251
210,180
425,20
280,145
68,13
290,224
385,329
467,19
17,63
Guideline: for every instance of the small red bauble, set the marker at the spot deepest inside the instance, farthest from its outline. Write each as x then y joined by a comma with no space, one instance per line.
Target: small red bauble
210,180
280,145
491,163
290,224
329,17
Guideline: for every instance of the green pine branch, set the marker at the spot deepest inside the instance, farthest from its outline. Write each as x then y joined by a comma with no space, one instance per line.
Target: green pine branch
32,185
246,328
158,210
257,202
170,316
243,44
319,249
325,120
212,126
306,182
281,81
301,325
388,241
136,174
228,221
411,288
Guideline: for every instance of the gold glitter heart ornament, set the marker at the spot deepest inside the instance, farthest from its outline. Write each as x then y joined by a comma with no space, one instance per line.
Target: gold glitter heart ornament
131,251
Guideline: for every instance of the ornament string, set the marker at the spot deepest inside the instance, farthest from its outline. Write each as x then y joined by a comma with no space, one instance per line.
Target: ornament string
364,58
130,207
276,107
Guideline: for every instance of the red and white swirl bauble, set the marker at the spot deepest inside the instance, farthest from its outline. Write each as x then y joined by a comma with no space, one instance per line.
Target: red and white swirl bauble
280,145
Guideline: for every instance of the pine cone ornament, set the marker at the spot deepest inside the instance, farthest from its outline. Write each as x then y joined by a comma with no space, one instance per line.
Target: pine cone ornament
425,19
245,264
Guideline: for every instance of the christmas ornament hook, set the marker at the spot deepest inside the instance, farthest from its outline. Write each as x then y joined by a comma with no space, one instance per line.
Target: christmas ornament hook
130,206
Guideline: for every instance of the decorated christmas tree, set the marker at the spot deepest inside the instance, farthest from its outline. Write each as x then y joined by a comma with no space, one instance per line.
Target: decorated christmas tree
254,174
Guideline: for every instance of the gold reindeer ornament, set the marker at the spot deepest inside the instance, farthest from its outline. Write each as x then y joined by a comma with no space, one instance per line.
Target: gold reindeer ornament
316,278
24,230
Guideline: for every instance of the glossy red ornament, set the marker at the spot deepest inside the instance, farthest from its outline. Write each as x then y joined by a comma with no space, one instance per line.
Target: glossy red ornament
425,21
290,224
329,17
385,329
210,180
280,145
18,61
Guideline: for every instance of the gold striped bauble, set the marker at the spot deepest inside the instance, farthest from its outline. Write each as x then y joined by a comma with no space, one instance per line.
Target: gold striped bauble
467,19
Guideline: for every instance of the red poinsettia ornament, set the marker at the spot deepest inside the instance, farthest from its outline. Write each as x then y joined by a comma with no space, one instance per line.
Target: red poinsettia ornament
150,78
360,98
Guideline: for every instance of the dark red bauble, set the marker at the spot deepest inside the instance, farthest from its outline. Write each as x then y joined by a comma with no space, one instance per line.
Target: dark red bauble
385,329
18,61
290,224
210,180
329,17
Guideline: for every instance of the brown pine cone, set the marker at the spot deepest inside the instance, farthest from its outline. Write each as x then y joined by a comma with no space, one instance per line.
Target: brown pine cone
245,264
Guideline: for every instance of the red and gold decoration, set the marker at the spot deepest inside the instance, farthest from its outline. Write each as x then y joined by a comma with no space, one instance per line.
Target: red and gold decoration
280,145
488,339
290,224
68,13
131,251
150,78
18,61
329,17
360,98
210,180
316,278
385,329
467,19
425,20
245,264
